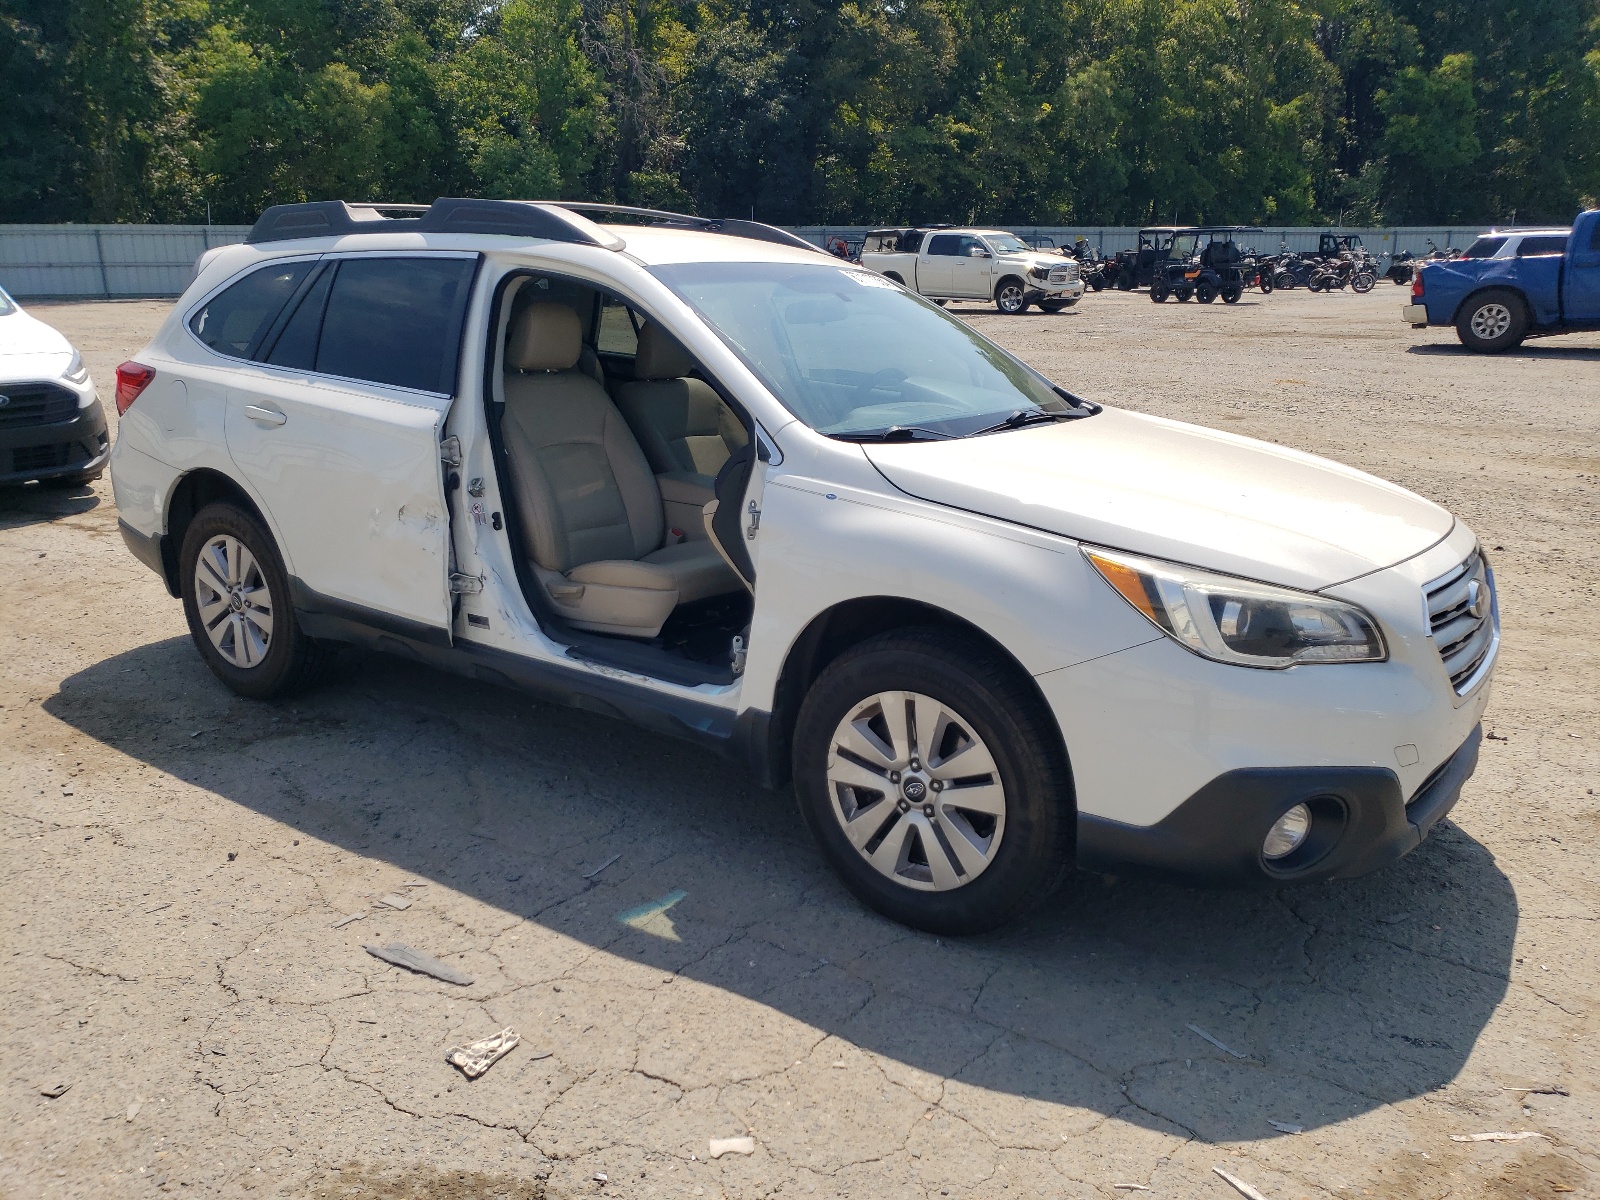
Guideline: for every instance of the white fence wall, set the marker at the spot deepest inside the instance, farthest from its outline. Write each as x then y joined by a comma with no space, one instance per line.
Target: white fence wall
124,261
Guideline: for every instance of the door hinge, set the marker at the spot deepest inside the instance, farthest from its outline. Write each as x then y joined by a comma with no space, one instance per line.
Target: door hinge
755,522
450,451
737,656
465,584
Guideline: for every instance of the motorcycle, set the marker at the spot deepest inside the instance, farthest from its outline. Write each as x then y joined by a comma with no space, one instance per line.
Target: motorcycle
1401,268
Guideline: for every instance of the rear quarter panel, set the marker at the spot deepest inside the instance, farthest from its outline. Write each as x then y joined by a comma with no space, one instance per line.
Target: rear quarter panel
1538,280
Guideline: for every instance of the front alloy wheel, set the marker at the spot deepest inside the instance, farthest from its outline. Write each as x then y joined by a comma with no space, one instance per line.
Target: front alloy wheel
916,791
1009,297
933,778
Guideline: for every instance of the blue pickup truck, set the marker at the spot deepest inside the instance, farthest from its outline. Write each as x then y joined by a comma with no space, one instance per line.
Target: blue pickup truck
1514,284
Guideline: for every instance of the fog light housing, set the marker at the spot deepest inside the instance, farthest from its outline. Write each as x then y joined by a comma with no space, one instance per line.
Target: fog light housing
1288,833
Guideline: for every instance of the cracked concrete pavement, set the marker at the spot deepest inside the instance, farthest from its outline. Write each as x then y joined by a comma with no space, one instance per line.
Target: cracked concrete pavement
177,859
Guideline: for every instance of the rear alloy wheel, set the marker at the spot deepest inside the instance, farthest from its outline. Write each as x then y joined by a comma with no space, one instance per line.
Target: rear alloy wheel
933,782
1493,322
236,598
1010,298
1231,292
1205,292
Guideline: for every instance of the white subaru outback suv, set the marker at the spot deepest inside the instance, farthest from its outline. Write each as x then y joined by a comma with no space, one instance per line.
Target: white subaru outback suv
701,477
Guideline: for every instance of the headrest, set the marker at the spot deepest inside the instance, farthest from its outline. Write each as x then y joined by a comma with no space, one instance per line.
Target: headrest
660,356
544,337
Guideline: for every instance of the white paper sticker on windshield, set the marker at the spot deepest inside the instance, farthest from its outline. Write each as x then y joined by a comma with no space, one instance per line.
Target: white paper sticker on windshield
872,279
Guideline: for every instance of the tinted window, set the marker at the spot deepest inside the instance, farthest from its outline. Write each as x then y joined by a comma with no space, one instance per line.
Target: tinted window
234,320
396,321
944,243
1484,247
970,248
297,344
1531,246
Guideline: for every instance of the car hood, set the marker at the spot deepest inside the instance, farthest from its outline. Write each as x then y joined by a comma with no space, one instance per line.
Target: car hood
1046,261
30,349
1178,492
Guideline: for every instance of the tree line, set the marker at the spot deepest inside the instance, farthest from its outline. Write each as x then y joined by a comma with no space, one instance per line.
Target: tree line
808,111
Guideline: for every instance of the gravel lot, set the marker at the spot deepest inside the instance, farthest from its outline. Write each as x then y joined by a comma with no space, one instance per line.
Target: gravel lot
176,859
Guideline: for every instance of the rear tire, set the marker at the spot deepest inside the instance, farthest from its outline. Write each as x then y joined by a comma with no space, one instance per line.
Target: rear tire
1492,322
1265,282
1205,293
237,605
1231,293
930,862
1184,293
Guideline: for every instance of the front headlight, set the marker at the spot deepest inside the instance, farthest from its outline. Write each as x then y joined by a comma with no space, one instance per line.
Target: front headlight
1039,272
77,371
1238,620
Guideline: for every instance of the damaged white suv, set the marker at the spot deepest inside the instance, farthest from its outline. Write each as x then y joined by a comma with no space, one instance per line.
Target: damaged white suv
698,476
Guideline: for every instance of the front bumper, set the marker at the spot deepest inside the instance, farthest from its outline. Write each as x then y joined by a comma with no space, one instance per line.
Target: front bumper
1361,822
1415,314
1068,293
74,446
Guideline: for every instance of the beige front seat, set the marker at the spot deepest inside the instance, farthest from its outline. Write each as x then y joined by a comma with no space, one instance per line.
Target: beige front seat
590,509
682,423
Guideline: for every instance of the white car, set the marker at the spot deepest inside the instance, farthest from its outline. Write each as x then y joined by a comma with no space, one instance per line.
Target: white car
52,428
741,492
947,264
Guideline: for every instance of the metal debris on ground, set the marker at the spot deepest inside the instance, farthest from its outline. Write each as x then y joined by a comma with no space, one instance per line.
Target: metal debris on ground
1129,1187
1522,1136
395,900
603,865
1284,1127
54,1090
415,960
415,883
733,1145
477,1057
1225,1049
601,1177
1239,1185
343,921
1545,1090
157,908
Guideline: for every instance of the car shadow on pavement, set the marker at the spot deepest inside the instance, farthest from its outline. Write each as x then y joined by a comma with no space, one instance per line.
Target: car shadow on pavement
30,503
1328,1000
1551,353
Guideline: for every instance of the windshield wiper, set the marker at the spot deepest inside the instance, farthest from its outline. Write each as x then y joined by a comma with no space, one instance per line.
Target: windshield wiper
1026,416
896,433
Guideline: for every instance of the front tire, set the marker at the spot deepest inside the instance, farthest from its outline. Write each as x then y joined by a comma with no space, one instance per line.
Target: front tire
236,599
1055,306
1205,293
1492,322
1010,297
1232,293
933,781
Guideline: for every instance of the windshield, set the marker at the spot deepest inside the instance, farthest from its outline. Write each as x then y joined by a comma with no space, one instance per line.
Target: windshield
1484,247
851,353
1006,243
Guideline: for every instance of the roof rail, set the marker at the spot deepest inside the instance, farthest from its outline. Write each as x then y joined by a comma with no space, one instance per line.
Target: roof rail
551,220
726,225
514,218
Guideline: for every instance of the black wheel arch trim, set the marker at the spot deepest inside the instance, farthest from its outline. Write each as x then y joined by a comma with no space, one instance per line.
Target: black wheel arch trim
1215,835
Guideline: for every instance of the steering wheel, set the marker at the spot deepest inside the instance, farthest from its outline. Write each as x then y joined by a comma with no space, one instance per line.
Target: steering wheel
887,375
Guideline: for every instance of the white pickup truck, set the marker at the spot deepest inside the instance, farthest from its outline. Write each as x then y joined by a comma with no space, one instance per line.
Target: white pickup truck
974,264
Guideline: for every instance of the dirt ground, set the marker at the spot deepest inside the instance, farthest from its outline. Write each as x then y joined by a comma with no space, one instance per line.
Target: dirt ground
176,860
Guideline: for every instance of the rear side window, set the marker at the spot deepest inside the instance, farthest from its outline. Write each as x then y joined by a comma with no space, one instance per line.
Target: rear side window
234,321
945,243
395,321
1545,244
1484,247
296,346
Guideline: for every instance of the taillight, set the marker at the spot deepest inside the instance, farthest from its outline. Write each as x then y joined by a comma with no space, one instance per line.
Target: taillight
132,378
1416,284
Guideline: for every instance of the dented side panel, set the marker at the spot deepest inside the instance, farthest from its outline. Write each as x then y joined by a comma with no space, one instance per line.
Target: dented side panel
352,477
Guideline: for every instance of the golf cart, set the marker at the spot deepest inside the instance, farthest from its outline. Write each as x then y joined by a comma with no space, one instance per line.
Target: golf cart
1202,263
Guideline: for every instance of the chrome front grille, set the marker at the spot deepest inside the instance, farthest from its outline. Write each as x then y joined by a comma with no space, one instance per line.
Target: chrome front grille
1462,622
